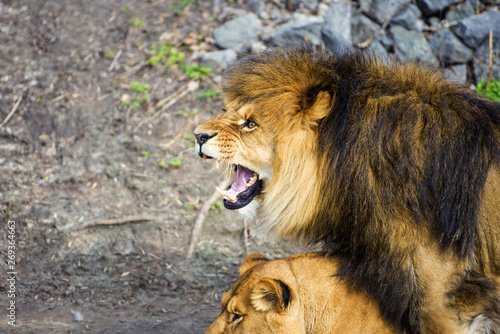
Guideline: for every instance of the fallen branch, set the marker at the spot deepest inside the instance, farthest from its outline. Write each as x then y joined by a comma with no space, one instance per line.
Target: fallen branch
200,219
112,222
13,110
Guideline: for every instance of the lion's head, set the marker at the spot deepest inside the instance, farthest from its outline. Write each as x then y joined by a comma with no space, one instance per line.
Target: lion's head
268,136
295,295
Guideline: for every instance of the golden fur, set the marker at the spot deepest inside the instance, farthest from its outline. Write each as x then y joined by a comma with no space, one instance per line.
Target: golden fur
293,296
391,169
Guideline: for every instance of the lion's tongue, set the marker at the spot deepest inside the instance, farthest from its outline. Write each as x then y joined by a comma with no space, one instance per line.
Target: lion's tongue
241,178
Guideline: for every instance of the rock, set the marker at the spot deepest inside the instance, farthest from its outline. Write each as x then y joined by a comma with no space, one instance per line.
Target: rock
238,33
457,73
218,59
412,45
257,6
463,10
448,48
382,10
230,13
482,59
435,7
410,18
312,5
336,29
299,31
378,50
473,30
362,29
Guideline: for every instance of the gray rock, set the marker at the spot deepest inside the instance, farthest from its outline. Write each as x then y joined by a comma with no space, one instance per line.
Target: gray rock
218,59
238,33
378,50
410,18
482,59
435,7
448,48
336,30
363,28
312,5
464,10
457,73
382,10
473,30
411,45
299,31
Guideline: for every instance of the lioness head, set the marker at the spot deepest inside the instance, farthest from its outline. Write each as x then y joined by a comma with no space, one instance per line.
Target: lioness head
268,135
295,295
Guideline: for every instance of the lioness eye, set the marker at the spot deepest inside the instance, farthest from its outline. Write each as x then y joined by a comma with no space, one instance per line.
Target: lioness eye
236,317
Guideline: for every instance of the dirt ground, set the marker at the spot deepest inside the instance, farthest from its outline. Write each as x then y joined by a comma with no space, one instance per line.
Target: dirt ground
104,195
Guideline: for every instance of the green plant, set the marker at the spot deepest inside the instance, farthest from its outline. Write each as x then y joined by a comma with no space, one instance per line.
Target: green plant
141,89
491,91
167,55
207,93
218,206
162,163
182,4
136,22
175,162
145,154
196,71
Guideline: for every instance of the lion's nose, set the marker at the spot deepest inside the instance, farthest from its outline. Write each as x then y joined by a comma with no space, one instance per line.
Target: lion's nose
201,138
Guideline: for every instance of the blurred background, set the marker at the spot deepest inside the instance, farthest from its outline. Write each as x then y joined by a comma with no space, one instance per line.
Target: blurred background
99,100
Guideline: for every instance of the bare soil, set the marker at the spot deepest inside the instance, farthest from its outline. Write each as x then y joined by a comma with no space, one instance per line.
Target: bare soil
72,153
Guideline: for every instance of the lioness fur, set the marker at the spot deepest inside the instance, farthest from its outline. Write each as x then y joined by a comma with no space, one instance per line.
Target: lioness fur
391,169
296,295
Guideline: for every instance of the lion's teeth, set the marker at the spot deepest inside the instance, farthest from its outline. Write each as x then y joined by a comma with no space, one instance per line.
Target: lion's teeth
217,163
221,192
204,157
232,197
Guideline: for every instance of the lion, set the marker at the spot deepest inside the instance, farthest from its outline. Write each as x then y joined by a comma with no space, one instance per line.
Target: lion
296,295
387,167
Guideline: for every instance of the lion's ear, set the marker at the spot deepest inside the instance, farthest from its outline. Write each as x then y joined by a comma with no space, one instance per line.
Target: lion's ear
315,104
270,294
251,260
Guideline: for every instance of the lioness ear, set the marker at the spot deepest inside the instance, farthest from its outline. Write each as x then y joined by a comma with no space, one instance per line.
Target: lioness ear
270,294
315,104
251,260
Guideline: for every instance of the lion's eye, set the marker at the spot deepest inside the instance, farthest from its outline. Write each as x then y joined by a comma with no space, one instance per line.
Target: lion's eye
236,317
249,124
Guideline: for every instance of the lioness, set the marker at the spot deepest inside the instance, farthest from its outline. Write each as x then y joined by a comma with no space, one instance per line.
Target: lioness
392,169
293,296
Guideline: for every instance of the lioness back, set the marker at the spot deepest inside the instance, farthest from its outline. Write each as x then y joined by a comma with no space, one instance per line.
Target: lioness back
296,295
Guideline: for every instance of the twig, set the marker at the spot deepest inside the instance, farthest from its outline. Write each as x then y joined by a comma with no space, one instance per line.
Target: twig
12,111
490,74
185,316
187,88
200,219
111,222
163,262
132,71
115,60
166,146
245,236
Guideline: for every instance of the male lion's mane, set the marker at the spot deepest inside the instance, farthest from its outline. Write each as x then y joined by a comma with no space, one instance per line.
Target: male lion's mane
400,154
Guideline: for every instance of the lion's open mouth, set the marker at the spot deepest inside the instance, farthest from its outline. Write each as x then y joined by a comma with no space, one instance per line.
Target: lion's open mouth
245,186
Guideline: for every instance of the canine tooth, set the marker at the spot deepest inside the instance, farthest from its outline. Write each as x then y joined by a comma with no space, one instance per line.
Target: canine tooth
204,157
232,197
217,163
221,192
